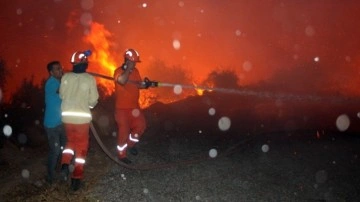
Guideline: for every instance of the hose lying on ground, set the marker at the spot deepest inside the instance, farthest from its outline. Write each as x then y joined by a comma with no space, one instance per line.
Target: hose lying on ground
163,165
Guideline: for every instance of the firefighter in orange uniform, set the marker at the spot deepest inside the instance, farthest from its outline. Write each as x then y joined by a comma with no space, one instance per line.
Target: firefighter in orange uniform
128,115
79,94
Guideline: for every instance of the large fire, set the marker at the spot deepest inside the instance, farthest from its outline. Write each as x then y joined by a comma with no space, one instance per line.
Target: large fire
102,61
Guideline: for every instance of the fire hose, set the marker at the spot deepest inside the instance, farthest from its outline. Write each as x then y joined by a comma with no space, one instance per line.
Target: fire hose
147,166
247,92
163,165
151,166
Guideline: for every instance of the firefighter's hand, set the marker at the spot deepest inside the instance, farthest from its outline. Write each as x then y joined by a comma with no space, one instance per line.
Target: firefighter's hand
147,83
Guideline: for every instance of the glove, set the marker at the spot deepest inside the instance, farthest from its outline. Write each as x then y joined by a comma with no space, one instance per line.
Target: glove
149,83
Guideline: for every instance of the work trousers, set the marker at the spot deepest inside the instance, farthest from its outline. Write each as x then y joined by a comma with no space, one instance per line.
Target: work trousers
76,147
57,140
131,126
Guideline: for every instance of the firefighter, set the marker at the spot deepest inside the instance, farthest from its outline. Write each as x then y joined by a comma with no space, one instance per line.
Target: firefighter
79,94
128,115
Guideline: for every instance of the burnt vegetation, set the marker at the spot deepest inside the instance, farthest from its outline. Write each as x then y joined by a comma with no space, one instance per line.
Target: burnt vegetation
287,101
275,107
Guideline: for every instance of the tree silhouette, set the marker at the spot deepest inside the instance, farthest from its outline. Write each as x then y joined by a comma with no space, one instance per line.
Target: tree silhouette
305,78
162,73
222,79
28,95
3,73
25,111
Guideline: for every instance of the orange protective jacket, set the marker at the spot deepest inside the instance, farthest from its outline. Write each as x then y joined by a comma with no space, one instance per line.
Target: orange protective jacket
127,96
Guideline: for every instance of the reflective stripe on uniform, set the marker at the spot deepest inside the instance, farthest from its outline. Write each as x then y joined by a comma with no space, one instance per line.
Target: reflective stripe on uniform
133,139
80,160
121,148
78,114
68,151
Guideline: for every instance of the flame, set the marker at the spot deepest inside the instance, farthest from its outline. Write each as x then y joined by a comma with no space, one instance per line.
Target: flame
101,60
200,90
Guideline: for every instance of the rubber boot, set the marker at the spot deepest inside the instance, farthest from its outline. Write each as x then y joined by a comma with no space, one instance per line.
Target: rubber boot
75,184
64,172
133,151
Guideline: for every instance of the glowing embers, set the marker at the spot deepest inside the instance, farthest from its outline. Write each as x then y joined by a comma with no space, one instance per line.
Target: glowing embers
135,112
342,122
201,89
237,32
224,123
181,4
265,148
309,31
19,11
212,111
176,44
247,66
213,153
7,130
317,59
25,173
178,89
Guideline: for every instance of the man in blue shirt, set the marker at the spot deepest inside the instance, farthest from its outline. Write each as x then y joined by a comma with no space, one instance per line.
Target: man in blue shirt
52,119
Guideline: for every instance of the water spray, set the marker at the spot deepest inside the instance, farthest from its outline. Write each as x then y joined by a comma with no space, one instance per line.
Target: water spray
269,95
245,92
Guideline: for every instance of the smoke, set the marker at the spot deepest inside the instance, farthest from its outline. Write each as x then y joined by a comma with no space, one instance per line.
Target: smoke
159,71
314,78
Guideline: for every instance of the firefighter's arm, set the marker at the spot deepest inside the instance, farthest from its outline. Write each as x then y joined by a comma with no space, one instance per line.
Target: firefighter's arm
94,94
123,77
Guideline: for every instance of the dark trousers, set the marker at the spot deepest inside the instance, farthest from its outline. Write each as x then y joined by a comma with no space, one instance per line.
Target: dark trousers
57,140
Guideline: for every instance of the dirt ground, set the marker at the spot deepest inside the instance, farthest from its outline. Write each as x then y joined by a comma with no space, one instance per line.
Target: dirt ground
255,160
297,167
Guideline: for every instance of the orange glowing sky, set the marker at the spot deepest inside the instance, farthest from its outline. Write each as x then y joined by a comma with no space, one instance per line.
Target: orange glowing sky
253,38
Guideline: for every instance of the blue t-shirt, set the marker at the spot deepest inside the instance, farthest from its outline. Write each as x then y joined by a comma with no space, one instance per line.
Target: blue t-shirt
52,117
